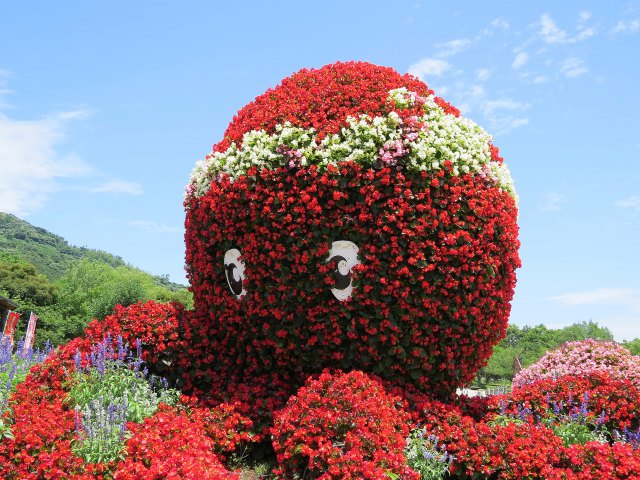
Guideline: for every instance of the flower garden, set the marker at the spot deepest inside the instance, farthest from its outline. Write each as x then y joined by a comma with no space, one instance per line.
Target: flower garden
351,245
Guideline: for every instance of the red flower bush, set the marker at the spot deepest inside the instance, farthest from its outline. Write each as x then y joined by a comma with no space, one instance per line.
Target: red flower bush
619,400
342,426
188,443
170,445
516,450
597,461
157,325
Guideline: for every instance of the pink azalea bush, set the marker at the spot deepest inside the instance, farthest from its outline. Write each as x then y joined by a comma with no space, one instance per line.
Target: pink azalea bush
581,358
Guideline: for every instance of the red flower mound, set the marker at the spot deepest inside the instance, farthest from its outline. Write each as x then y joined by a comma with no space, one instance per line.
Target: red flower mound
157,325
43,426
598,461
170,445
342,426
438,254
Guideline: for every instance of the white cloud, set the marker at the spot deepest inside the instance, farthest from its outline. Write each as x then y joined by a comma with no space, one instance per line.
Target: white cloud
31,162
501,114
521,60
630,202
500,23
503,124
551,33
552,201
584,16
154,226
483,74
623,26
428,67
118,187
573,67
489,107
540,79
452,47
628,297
585,33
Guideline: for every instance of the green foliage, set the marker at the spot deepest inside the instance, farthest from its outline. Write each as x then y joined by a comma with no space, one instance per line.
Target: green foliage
20,282
574,432
120,383
633,346
67,286
425,457
87,290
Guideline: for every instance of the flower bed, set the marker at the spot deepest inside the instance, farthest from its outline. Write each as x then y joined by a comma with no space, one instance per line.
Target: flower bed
340,425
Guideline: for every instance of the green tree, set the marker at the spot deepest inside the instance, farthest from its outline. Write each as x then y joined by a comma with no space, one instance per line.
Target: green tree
22,283
582,331
633,346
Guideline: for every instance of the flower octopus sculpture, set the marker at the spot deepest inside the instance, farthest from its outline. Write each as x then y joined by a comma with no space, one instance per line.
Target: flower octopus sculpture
350,219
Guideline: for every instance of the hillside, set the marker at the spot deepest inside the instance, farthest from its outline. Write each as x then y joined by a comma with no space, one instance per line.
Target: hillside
51,254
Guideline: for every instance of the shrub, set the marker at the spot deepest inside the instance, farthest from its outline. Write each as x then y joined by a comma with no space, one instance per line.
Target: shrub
581,358
341,426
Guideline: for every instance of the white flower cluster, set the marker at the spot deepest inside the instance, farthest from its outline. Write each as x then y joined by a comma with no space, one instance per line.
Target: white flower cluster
427,141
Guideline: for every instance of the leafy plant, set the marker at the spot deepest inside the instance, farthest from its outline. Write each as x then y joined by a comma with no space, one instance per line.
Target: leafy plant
101,427
426,457
108,388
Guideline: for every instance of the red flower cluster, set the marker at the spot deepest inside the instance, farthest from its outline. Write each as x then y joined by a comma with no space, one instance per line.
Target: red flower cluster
518,450
156,325
187,442
43,426
618,399
342,426
323,99
171,445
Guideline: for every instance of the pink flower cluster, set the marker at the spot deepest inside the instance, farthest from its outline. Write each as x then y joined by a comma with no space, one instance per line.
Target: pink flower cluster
583,357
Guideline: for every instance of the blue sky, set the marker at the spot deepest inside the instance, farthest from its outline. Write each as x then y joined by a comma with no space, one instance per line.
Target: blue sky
106,106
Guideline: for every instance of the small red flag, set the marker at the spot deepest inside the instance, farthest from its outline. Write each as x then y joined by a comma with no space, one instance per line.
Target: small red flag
10,326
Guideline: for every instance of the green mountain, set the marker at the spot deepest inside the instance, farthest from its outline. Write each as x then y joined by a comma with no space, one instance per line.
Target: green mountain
51,254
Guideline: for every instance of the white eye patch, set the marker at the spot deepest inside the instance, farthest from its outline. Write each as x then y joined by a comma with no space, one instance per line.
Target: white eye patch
234,271
345,254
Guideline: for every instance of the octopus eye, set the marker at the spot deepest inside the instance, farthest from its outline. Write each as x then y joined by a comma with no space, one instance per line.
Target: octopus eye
234,270
345,255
